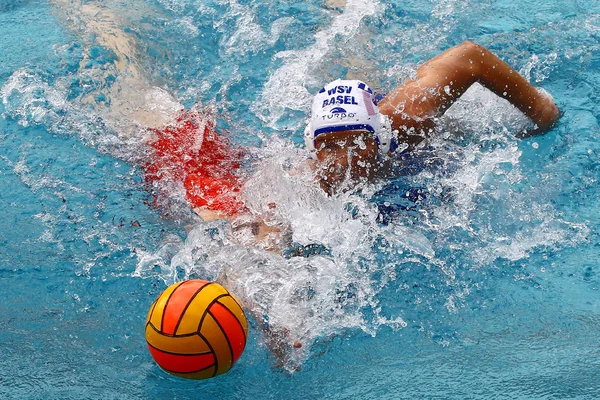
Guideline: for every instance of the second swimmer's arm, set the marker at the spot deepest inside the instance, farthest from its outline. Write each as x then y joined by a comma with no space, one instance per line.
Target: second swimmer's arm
443,79
258,227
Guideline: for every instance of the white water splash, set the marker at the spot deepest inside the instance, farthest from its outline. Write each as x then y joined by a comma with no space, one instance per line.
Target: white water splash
486,195
29,100
248,35
306,297
287,86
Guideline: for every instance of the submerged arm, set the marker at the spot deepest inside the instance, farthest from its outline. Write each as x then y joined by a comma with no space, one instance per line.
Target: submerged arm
443,79
132,101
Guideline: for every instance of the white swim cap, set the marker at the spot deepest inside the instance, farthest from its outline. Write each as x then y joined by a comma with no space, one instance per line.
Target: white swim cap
346,105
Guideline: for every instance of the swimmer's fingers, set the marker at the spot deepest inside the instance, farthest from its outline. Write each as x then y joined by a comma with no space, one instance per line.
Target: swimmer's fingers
256,231
210,215
547,112
282,347
264,230
547,116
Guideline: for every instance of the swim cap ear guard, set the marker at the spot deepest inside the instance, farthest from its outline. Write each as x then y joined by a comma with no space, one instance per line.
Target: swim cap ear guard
347,105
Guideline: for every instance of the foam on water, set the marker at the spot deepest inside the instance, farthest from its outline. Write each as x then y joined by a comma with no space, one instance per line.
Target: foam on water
481,206
483,212
295,75
248,36
310,297
306,295
30,100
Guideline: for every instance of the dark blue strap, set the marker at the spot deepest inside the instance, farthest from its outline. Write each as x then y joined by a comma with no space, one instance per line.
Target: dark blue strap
338,128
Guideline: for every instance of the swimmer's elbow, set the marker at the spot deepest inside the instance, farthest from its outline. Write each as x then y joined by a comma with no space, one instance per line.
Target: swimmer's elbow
465,59
469,45
471,48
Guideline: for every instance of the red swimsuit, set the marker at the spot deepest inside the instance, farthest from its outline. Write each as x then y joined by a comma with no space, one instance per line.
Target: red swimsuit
191,152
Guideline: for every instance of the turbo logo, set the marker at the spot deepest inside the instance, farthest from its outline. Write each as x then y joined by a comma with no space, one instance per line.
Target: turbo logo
338,113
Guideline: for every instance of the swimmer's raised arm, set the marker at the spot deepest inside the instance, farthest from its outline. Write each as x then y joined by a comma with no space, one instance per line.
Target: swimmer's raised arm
443,79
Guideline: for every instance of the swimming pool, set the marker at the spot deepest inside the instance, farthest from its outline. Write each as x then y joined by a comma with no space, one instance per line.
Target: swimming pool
473,276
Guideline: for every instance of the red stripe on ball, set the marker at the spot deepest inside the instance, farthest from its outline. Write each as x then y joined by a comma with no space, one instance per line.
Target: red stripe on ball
232,329
181,363
177,304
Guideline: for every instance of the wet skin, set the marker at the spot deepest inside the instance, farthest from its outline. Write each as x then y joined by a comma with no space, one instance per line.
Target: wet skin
413,106
345,158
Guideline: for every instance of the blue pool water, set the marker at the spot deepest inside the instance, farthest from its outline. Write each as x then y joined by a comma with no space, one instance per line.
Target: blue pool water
473,276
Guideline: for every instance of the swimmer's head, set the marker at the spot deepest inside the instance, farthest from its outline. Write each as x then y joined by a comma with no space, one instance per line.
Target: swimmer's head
346,134
346,105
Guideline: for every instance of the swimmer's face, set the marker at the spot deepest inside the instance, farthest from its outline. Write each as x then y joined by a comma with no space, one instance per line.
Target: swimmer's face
344,159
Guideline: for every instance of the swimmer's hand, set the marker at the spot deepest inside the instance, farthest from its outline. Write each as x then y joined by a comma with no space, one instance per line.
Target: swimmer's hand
210,215
248,229
282,347
544,112
259,228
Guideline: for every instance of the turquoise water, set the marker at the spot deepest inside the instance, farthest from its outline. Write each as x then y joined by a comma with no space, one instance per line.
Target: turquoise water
475,275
